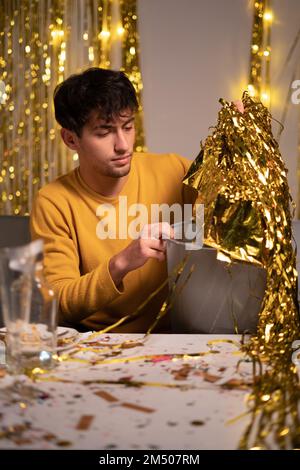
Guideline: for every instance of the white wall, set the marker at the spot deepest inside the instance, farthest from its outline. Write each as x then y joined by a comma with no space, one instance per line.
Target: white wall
195,51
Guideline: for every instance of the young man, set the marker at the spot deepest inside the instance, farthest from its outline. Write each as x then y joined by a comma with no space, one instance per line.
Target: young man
100,274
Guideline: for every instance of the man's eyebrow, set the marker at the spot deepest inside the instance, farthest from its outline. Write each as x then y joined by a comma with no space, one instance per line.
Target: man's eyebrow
103,126
131,119
109,126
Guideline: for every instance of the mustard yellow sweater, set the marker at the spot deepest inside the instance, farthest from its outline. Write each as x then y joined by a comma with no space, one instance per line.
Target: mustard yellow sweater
64,215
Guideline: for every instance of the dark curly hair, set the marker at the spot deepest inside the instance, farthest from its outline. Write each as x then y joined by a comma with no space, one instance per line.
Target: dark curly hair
108,92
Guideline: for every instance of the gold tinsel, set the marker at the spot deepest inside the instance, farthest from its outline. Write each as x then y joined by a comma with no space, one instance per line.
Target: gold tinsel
41,43
241,180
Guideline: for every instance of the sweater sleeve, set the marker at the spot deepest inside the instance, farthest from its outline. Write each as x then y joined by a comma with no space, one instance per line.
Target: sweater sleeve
184,162
188,194
79,296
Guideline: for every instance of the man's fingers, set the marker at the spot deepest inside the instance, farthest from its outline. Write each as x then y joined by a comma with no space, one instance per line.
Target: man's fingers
167,231
159,255
158,245
160,230
149,248
239,105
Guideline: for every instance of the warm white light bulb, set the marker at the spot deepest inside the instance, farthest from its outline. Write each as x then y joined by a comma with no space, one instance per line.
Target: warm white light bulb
265,97
268,16
251,90
104,34
120,30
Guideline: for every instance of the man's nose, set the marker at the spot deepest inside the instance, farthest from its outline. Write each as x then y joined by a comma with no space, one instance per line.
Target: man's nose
121,143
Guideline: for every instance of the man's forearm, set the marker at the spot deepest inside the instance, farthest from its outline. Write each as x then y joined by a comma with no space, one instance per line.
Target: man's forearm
81,297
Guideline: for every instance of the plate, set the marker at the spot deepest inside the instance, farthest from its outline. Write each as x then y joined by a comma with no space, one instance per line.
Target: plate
66,337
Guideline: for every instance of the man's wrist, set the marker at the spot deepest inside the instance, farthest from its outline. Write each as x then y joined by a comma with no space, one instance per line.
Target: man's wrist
118,269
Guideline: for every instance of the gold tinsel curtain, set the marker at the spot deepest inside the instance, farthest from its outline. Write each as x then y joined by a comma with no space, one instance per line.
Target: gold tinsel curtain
41,43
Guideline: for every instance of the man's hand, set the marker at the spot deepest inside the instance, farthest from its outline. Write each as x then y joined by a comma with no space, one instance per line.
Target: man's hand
151,244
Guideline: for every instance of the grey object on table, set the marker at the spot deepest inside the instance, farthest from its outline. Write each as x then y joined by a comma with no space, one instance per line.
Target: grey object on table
296,237
14,231
218,297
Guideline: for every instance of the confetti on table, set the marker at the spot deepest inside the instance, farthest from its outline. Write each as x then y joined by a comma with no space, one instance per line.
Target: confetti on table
132,406
106,396
84,422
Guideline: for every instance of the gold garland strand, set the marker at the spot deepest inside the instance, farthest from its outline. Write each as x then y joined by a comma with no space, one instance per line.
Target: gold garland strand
255,72
266,93
260,53
241,180
174,291
131,63
173,280
260,63
105,35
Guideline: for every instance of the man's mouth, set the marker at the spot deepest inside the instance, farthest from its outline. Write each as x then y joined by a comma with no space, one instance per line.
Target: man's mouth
122,159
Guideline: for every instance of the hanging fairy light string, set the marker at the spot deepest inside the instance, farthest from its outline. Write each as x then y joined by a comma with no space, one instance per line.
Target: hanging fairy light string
7,156
55,72
268,18
254,86
130,62
105,35
260,53
41,43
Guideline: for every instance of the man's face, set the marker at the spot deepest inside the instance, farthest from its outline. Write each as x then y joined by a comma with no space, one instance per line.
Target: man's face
106,147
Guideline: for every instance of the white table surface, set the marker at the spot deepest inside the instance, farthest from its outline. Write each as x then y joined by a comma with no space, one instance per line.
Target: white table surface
180,405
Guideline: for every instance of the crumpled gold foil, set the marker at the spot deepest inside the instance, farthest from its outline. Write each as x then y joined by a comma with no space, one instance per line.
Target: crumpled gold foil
241,179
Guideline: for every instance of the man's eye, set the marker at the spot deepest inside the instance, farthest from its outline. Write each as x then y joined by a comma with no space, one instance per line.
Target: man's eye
102,134
128,128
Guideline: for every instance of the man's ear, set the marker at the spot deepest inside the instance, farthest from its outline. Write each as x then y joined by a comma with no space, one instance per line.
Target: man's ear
69,138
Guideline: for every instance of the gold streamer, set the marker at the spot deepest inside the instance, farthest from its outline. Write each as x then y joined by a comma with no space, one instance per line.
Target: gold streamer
174,291
128,383
177,271
149,357
241,180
